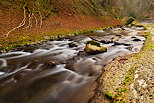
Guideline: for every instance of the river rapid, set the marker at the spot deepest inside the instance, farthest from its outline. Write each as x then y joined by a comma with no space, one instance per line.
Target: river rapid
60,71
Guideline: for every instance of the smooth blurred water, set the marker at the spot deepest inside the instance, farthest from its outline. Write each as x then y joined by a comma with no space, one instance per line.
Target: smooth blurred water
56,72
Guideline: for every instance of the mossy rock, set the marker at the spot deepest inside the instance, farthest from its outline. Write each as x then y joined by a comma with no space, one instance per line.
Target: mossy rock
129,21
92,42
94,47
115,38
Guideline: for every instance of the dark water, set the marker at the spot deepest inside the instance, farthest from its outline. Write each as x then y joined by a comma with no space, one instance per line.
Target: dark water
60,71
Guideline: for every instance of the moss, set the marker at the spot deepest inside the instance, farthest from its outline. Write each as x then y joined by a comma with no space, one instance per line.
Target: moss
151,47
123,90
128,77
27,39
14,40
109,95
129,20
16,46
147,34
92,42
118,97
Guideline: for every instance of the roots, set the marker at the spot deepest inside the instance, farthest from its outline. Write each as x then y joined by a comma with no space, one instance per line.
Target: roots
33,15
28,20
30,16
21,24
41,18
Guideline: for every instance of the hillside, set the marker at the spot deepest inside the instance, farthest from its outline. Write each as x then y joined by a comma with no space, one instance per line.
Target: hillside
23,22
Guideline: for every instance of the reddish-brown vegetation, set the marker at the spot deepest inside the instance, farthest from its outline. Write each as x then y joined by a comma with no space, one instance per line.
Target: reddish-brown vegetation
54,23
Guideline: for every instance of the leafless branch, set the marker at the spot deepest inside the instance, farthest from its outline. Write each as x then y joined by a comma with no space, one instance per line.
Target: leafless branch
21,24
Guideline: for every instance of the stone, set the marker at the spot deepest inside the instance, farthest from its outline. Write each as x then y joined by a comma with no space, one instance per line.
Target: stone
123,29
50,64
116,43
94,47
115,38
133,37
118,35
129,21
126,44
71,45
106,41
81,53
137,39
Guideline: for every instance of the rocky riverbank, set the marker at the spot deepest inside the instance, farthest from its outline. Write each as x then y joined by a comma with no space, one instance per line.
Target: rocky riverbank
129,79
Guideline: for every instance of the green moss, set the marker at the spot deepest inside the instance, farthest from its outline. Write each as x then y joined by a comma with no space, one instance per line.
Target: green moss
147,34
92,42
128,77
151,47
26,39
109,95
123,90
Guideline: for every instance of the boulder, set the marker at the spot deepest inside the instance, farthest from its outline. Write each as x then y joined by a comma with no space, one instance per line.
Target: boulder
94,47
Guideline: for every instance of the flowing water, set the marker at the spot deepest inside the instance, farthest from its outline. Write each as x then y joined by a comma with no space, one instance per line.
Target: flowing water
60,71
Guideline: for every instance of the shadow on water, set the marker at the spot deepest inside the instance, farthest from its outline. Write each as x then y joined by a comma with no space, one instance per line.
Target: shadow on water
60,71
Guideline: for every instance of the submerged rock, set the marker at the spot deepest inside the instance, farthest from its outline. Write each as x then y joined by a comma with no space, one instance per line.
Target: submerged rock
118,35
106,41
137,39
50,63
126,44
94,47
123,29
71,45
117,43
133,37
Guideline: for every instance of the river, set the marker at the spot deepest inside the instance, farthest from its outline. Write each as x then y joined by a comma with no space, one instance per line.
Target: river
60,71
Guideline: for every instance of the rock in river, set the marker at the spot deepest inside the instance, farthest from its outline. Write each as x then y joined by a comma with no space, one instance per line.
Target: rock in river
71,45
137,39
94,47
115,38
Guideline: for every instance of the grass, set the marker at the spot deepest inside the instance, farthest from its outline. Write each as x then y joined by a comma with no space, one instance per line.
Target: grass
18,40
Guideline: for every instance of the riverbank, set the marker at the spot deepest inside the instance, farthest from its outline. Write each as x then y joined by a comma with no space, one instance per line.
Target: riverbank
129,79
26,23
53,27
